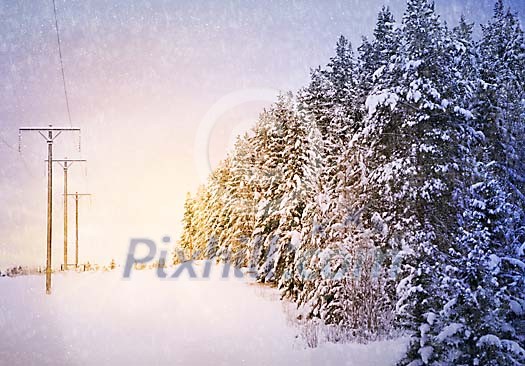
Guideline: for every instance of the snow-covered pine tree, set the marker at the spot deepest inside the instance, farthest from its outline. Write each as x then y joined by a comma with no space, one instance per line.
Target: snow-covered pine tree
480,293
330,102
489,311
345,111
452,332
339,247
314,100
414,139
189,229
286,165
377,54
500,111
195,233
240,202
500,93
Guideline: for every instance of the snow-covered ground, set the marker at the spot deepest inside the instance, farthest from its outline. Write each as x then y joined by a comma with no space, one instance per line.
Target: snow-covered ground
101,319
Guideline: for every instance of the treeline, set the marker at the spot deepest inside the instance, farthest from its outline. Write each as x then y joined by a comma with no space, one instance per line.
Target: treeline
16,271
389,194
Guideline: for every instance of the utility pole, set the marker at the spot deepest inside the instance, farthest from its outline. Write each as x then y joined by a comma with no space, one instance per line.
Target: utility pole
49,134
77,198
65,164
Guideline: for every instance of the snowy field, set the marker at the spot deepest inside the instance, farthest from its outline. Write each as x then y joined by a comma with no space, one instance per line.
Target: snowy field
101,319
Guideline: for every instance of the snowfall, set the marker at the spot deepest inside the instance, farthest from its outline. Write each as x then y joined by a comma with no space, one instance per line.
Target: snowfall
99,318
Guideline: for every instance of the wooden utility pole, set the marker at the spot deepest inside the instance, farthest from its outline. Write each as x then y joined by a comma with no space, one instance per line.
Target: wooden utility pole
77,198
49,134
65,164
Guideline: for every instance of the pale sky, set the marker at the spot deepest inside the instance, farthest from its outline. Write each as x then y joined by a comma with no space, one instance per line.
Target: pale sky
152,85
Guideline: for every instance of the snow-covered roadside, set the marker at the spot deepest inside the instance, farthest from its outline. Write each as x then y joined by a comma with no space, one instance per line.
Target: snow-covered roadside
101,319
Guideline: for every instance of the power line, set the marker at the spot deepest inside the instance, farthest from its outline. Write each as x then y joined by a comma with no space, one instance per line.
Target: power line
66,164
7,144
77,198
26,167
61,62
49,134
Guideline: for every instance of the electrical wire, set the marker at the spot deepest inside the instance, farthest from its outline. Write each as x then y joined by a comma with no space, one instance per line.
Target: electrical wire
61,63
24,162
4,141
